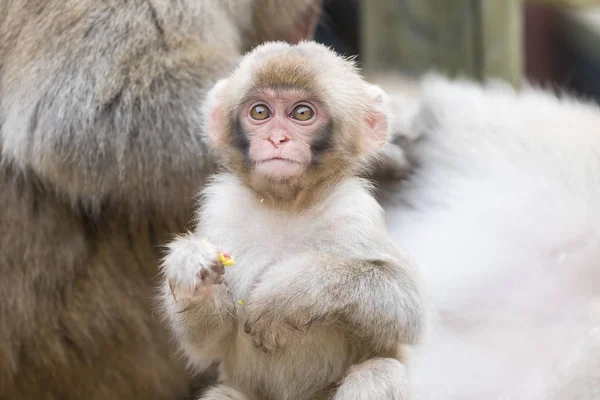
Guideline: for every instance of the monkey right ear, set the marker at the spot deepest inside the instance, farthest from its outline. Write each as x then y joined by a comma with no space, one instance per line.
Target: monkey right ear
378,118
214,104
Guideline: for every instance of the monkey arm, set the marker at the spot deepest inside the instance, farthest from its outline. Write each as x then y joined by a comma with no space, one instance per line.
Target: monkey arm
379,300
376,299
195,301
200,324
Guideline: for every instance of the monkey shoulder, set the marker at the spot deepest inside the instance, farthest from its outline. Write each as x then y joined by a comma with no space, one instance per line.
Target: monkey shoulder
352,200
351,221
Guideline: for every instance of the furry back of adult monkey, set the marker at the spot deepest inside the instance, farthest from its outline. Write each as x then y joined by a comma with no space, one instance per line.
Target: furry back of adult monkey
502,215
102,152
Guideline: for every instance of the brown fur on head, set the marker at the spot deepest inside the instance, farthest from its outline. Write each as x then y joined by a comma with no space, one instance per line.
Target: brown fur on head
356,113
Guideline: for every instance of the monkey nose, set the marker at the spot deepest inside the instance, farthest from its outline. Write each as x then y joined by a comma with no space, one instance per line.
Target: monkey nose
278,139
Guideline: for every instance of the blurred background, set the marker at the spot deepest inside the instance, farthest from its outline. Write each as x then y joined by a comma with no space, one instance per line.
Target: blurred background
553,43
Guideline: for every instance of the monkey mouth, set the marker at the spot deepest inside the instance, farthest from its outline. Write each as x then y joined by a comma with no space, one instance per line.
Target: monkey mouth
278,159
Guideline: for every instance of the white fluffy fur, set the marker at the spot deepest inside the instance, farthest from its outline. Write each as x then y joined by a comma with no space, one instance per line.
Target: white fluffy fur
293,267
503,219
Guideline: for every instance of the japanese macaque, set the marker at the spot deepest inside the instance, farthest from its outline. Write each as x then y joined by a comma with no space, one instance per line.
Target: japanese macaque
320,303
101,154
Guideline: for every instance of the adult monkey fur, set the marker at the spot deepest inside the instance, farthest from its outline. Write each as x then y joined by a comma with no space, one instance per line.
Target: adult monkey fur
101,157
502,215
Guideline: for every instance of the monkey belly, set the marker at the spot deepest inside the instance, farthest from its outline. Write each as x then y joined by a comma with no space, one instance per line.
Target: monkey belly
302,368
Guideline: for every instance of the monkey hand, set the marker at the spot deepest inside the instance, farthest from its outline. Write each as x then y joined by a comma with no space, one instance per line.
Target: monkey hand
192,266
286,303
275,314
271,330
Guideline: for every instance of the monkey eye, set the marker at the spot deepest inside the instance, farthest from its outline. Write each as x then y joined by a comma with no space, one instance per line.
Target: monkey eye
302,113
260,112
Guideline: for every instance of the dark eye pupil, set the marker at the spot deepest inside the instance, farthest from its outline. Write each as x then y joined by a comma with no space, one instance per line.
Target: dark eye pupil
260,112
303,113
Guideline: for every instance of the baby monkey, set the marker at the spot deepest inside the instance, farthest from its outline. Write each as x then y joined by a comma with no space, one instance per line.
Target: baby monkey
320,302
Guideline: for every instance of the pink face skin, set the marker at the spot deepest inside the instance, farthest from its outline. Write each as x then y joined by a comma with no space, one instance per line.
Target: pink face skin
280,145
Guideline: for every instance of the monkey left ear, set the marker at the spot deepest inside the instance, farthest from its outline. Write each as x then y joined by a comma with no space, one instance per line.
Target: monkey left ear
214,106
378,118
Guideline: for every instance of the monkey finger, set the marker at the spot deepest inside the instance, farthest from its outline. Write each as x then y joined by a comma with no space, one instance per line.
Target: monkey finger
298,331
257,342
249,326
203,274
218,267
263,344
273,339
267,346
304,327
250,322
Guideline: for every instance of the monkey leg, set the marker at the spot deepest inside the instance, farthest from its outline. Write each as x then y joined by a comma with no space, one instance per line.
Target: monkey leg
224,392
377,378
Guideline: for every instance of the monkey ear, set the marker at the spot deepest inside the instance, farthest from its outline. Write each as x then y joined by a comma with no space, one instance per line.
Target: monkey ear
378,118
214,105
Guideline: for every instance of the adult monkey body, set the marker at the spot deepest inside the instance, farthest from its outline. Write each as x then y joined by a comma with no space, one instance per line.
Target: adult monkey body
101,156
502,216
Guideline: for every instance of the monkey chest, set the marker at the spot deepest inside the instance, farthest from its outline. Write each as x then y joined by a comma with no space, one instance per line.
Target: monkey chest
256,258
261,245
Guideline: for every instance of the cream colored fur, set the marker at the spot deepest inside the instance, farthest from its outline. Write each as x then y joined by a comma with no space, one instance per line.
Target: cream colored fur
291,269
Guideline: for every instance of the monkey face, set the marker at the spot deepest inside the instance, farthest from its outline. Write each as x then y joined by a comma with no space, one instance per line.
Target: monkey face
285,132
294,118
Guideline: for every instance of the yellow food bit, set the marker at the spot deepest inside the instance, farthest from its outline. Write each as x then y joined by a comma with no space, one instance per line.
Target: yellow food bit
242,302
227,261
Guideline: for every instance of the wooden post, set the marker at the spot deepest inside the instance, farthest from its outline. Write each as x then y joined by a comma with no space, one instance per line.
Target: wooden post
477,38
